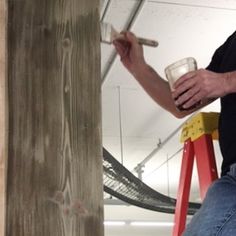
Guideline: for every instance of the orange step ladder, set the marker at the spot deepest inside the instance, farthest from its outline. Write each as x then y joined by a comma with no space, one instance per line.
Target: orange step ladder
197,134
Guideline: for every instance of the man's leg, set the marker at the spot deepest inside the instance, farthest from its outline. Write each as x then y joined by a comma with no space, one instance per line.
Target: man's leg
217,215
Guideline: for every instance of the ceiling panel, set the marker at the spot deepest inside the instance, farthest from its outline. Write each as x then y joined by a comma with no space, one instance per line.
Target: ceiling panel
226,4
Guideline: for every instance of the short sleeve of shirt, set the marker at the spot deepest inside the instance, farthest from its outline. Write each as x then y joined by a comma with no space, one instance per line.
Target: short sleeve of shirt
217,58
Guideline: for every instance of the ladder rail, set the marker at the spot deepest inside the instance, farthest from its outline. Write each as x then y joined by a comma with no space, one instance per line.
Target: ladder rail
197,135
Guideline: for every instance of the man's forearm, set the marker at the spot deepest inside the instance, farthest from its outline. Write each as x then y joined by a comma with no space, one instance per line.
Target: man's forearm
157,88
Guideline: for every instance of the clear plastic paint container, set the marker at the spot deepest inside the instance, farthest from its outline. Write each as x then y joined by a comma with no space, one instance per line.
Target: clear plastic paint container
176,70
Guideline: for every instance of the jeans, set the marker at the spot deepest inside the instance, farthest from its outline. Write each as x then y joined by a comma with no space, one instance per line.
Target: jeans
217,215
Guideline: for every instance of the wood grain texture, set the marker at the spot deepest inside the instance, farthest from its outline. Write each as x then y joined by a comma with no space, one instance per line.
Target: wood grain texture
54,177
3,113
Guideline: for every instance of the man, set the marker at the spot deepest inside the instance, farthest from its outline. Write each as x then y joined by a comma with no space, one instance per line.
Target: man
217,216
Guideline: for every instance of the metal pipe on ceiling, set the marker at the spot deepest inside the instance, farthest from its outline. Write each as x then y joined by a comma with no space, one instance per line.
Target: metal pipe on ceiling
161,145
104,10
128,27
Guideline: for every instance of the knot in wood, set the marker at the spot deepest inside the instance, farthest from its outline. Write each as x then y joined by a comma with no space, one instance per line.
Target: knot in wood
66,43
67,88
59,197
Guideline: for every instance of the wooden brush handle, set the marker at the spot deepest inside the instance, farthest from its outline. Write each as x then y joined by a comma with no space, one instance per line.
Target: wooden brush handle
147,42
144,41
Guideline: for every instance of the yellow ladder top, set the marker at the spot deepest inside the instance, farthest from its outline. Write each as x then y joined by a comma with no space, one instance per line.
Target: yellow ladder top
201,123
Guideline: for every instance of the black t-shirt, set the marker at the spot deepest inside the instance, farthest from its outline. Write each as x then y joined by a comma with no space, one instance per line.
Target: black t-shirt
224,60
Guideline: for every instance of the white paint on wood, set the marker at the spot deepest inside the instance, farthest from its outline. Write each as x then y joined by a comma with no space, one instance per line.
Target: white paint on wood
54,174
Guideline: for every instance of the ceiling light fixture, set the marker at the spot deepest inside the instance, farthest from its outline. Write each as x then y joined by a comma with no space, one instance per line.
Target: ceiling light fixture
157,224
114,223
139,223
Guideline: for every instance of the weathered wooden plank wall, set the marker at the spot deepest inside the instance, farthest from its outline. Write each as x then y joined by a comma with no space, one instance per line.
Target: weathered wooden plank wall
54,176
3,113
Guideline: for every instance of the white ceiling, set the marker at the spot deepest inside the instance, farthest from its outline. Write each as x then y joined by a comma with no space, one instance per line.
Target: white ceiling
133,124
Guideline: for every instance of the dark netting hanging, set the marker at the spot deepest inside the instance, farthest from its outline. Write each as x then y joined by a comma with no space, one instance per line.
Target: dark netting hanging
122,184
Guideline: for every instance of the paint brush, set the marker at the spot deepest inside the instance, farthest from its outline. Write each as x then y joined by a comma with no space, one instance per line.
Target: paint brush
109,34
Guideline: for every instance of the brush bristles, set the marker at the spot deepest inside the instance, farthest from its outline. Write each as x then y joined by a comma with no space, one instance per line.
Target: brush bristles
106,32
